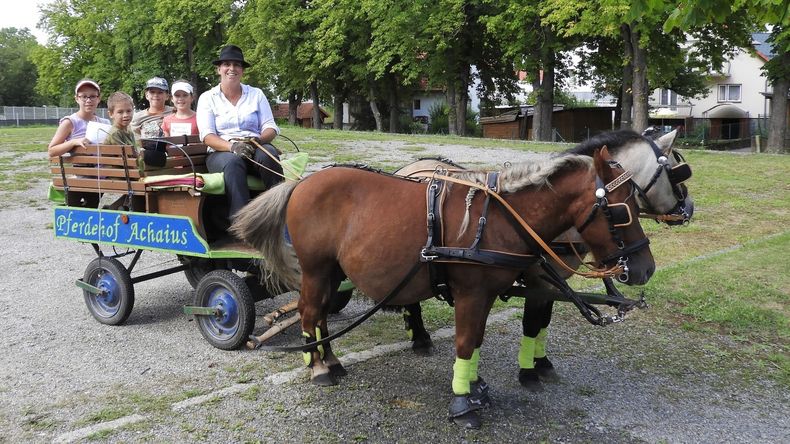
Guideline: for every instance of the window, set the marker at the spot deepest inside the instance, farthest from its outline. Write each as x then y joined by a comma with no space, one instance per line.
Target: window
417,104
668,98
729,93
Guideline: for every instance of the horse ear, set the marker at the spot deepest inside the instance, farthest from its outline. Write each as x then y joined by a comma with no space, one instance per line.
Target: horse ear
665,142
601,160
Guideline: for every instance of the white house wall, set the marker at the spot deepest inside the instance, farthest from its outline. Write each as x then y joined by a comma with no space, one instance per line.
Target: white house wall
744,70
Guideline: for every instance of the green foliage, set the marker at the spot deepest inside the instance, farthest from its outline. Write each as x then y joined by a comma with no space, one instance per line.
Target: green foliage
438,113
121,44
17,72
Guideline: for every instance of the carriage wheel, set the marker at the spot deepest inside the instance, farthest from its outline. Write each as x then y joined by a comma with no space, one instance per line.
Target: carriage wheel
339,302
198,268
228,293
114,304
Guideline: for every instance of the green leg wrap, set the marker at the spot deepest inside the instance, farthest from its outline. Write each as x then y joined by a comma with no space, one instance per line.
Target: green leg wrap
526,354
473,368
540,343
308,356
318,338
409,331
461,376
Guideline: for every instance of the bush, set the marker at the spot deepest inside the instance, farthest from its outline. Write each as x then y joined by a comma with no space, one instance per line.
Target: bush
439,113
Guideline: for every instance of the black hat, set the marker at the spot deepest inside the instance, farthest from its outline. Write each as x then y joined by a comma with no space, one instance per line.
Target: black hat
231,53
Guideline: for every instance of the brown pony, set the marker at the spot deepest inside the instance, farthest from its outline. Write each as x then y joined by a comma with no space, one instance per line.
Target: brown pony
371,228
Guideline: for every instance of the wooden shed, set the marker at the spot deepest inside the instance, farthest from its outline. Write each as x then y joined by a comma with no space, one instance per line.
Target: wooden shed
571,125
304,113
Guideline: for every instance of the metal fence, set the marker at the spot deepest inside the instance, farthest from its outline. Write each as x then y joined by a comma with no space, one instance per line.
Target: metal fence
718,134
29,115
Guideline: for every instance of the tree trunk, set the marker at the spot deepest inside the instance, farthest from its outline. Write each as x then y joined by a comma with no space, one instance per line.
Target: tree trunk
777,127
461,101
374,108
544,99
394,108
626,96
294,100
452,127
639,84
318,119
337,121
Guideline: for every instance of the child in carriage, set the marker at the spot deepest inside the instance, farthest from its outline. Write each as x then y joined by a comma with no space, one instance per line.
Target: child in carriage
73,128
121,108
184,121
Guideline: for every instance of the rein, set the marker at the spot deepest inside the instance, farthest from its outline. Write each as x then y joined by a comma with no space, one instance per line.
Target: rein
311,346
257,145
613,271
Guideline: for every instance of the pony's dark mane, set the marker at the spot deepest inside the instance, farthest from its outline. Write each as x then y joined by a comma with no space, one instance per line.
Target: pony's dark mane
613,140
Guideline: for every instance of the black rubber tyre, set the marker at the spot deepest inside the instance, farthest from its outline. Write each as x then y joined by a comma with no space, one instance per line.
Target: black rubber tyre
339,302
228,292
114,305
198,268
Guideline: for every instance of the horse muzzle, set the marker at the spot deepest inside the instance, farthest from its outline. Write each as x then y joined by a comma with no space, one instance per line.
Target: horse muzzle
684,210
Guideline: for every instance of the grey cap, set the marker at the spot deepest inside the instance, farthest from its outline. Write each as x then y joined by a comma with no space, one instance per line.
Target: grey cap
158,83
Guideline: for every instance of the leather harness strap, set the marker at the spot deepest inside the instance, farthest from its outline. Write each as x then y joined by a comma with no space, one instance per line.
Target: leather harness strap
437,256
596,273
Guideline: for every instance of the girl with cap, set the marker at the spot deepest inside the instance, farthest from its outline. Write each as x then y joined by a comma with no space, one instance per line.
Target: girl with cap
148,122
72,128
184,121
231,111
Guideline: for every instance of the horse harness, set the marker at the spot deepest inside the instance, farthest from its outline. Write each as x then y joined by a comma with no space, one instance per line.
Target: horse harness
677,175
435,256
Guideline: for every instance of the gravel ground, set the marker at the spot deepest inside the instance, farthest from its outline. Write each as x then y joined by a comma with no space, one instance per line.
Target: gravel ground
63,376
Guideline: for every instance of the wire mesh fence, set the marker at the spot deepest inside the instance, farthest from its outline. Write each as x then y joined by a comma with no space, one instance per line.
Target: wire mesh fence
29,115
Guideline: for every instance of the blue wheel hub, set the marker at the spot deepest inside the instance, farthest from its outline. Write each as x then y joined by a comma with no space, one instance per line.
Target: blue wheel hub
225,323
108,302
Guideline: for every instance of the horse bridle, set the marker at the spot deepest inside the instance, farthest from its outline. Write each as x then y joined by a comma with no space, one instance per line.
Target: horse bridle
676,175
618,216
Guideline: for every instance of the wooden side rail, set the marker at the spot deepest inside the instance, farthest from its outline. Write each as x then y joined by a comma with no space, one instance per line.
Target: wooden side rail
119,168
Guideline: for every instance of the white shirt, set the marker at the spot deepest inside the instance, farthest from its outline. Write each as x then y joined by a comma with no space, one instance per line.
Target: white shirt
248,118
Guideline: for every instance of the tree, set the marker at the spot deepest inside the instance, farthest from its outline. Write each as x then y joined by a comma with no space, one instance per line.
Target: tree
17,72
536,47
123,43
650,56
774,13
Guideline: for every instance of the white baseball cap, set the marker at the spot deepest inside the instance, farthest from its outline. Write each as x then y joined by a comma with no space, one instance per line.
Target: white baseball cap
181,86
84,82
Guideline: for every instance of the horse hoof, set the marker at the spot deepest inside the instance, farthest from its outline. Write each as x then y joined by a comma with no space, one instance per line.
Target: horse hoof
337,370
479,393
463,411
545,370
324,380
528,377
422,347
469,420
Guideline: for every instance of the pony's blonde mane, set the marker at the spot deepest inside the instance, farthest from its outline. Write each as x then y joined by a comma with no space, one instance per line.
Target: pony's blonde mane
532,173
522,175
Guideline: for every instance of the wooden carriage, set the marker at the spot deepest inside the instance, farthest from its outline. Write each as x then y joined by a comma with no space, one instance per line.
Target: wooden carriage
161,198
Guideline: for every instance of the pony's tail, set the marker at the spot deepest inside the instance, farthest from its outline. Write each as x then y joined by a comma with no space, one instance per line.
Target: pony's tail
261,223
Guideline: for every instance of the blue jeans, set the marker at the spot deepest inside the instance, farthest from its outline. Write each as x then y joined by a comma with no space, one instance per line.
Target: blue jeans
236,170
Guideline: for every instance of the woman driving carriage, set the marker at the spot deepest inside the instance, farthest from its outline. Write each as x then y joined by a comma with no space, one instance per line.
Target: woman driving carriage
229,114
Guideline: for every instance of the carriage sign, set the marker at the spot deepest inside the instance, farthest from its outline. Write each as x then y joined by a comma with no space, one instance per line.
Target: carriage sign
130,229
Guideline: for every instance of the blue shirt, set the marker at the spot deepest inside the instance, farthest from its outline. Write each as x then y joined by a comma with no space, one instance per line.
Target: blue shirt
248,118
